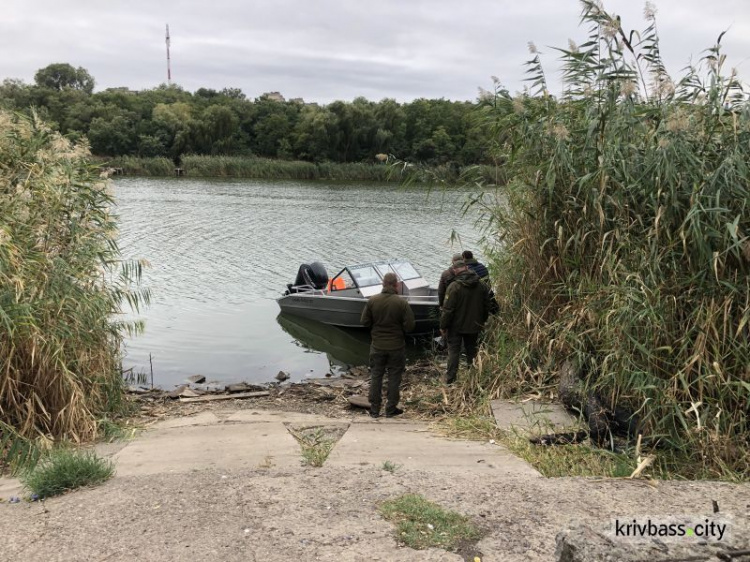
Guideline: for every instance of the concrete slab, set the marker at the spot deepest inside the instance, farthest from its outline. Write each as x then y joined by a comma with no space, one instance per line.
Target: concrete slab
413,447
10,487
253,416
110,449
232,446
202,418
532,417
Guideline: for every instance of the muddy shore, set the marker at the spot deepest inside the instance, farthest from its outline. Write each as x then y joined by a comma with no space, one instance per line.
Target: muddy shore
334,397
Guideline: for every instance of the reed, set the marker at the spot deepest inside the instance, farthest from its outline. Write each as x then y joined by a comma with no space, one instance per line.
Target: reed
265,168
62,286
624,244
143,166
246,167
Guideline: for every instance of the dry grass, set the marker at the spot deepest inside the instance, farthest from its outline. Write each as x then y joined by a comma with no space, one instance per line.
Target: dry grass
61,289
623,246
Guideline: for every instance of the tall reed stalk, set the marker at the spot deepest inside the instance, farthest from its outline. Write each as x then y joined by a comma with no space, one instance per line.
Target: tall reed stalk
624,246
62,285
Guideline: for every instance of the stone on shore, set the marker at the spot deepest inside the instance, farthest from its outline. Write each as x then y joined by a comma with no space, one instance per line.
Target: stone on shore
584,543
359,401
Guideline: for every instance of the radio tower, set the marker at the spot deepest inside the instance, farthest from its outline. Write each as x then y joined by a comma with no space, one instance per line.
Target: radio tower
169,62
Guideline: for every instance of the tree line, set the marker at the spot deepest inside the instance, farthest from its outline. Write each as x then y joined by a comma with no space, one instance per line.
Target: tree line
169,121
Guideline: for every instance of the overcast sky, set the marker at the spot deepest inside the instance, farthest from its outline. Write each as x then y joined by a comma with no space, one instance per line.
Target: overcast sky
324,50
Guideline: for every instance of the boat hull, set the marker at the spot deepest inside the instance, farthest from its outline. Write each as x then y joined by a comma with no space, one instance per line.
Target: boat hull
346,312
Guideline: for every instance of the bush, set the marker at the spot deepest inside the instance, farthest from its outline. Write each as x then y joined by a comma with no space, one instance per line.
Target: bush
624,247
61,289
65,470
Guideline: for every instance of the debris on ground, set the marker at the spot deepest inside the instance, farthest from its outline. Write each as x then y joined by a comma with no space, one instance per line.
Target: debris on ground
330,396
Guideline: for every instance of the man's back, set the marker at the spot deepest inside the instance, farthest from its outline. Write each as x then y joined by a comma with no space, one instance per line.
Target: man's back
389,317
479,268
467,304
446,278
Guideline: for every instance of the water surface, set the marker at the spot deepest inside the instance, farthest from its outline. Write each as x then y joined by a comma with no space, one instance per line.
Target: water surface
222,251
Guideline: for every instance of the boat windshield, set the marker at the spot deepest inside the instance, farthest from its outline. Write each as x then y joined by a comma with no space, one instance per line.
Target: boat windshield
365,275
405,270
384,268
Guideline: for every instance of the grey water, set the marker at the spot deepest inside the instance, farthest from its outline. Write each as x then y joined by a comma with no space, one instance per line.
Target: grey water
221,252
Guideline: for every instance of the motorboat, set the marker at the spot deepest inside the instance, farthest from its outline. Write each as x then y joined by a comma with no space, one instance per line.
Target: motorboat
339,300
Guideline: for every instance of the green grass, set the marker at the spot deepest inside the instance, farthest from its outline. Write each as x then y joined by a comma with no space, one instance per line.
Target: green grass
423,524
113,430
569,460
66,469
550,461
581,459
315,445
388,466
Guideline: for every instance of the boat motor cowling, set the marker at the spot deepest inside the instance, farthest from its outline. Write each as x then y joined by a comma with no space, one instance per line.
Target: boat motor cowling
313,275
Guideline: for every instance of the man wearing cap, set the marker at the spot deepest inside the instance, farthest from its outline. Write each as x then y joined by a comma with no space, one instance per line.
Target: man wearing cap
481,270
466,308
446,277
476,266
389,316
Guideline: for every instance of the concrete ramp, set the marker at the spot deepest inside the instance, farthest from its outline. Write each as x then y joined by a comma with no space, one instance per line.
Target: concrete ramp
412,446
532,417
199,447
10,487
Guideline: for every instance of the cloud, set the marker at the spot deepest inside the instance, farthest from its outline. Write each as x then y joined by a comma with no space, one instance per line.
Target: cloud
327,50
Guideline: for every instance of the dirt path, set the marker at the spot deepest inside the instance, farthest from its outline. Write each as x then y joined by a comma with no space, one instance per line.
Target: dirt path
229,485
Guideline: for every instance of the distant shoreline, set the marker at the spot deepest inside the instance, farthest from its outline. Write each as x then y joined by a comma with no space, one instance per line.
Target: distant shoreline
265,168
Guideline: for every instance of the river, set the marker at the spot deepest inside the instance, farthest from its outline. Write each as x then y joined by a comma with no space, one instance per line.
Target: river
222,251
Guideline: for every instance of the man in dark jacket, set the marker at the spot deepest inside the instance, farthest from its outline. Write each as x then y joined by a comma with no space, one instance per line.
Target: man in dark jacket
446,277
481,270
389,317
476,266
465,310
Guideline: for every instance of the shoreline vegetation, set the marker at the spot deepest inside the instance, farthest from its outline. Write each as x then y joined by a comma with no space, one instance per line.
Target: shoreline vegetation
622,259
199,166
621,256
63,286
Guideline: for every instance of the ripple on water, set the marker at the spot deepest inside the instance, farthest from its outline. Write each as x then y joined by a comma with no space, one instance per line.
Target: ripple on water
221,251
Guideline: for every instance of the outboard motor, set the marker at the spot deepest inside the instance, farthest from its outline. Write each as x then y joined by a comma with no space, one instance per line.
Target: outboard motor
313,275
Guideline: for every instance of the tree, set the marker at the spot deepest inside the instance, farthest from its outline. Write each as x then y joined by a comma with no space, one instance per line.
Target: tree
312,135
233,93
112,137
14,94
62,76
